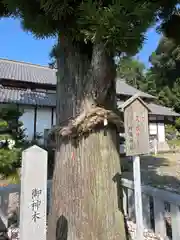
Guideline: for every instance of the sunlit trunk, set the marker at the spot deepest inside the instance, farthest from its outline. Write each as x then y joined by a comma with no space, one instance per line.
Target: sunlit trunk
87,168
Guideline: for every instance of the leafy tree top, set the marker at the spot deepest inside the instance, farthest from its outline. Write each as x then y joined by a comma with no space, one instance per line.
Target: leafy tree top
119,24
131,70
166,62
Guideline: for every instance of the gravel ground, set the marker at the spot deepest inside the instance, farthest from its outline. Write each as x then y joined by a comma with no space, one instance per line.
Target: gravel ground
148,235
162,171
13,233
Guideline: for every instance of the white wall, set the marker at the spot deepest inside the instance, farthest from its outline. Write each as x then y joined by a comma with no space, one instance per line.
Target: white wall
161,132
28,121
44,116
43,120
157,128
153,128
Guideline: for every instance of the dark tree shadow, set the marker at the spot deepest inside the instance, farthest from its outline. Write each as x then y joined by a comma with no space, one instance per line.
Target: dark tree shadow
117,180
62,228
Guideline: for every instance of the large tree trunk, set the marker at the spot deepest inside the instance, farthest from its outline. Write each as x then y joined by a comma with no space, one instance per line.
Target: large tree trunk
85,192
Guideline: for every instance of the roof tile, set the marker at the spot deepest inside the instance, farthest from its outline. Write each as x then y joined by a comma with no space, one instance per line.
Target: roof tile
123,88
27,72
20,96
156,109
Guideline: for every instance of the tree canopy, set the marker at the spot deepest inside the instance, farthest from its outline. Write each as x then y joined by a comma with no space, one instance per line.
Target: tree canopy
132,71
162,79
165,72
119,24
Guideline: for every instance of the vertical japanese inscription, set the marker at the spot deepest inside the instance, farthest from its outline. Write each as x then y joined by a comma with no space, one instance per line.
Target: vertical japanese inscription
36,202
33,194
130,138
136,128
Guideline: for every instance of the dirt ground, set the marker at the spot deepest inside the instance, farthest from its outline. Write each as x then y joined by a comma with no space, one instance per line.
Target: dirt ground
161,171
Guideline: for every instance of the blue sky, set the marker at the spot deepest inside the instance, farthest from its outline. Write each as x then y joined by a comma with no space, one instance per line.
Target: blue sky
22,46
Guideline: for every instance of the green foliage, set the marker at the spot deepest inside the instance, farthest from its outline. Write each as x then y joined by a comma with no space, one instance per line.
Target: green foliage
132,71
9,160
177,124
171,132
13,177
10,124
170,129
135,74
165,73
120,24
150,84
11,138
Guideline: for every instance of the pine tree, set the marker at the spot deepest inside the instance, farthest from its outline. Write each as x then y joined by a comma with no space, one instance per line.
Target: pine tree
165,72
90,34
132,71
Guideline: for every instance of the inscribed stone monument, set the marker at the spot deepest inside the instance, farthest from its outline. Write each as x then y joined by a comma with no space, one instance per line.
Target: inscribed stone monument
33,194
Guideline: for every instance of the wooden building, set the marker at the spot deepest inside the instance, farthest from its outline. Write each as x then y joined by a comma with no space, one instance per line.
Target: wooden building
33,88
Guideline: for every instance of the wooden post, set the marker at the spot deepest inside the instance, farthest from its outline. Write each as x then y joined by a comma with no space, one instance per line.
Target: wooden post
175,216
146,211
159,220
138,198
137,143
155,146
33,194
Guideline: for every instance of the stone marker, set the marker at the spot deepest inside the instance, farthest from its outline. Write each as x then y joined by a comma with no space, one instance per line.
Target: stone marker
33,194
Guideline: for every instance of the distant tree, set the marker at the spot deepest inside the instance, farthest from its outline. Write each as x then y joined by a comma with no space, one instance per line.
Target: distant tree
166,62
132,71
150,83
165,73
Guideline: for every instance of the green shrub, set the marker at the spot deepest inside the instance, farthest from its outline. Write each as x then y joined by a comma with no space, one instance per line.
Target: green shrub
177,124
10,159
11,139
171,132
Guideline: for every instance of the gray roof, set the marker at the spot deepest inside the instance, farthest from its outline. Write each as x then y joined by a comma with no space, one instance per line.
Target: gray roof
26,97
161,110
156,109
123,88
38,74
26,72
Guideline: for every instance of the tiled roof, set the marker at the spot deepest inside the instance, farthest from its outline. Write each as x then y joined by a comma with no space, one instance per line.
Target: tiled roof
123,88
156,109
38,74
27,97
26,72
161,110
19,96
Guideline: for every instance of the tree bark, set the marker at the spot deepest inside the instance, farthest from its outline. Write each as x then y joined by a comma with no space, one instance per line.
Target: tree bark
86,175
